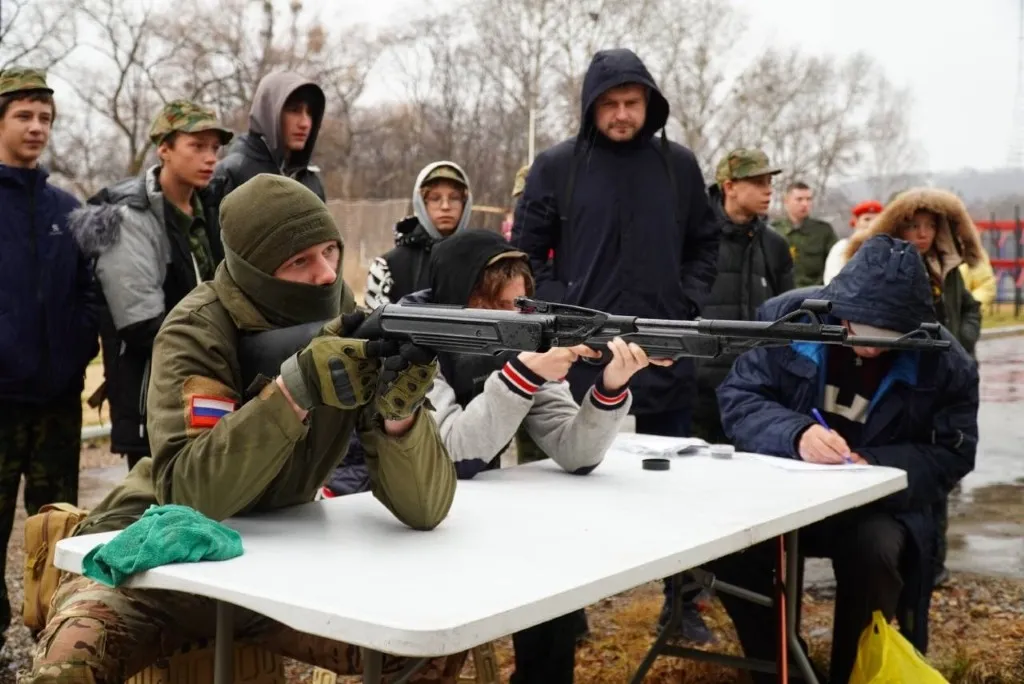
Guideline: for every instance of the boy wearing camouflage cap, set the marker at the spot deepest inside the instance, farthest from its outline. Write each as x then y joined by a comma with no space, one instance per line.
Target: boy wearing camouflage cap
753,266
49,319
154,238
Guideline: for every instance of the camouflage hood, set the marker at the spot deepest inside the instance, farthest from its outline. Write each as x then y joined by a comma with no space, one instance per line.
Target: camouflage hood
956,242
265,115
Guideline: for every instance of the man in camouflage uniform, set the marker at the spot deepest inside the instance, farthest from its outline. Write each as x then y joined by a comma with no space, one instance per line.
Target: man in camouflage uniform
154,238
259,446
48,314
809,238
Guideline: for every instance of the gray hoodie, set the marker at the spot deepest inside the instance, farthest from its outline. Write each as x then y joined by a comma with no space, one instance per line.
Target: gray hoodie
265,116
419,207
262,150
403,270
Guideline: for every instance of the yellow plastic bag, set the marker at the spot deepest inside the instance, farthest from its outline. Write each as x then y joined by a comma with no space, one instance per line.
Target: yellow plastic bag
885,657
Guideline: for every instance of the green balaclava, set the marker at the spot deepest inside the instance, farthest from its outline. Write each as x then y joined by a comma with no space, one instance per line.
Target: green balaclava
264,222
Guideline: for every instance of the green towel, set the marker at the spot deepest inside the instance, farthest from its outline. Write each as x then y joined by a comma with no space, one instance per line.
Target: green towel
163,535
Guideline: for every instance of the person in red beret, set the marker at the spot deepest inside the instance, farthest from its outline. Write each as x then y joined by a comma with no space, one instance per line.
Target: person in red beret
861,217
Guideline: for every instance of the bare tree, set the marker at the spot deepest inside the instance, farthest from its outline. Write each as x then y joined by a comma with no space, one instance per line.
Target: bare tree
116,81
38,33
893,157
465,85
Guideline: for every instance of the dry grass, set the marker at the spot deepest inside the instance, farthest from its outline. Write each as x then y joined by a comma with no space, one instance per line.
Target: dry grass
1000,315
977,637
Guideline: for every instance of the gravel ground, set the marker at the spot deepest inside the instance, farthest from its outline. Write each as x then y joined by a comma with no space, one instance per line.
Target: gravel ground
16,653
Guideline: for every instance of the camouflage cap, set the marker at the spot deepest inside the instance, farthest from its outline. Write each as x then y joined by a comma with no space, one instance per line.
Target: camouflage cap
445,172
520,183
186,117
19,79
744,163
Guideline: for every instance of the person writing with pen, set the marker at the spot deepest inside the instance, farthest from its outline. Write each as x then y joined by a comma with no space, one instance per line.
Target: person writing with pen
831,404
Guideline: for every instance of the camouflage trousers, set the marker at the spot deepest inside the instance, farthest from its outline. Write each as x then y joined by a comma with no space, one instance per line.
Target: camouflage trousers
101,635
42,444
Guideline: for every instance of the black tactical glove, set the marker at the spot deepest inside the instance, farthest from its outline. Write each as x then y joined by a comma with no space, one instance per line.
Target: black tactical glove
405,379
406,375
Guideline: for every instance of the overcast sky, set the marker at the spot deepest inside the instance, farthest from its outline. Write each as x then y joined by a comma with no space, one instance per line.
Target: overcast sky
960,60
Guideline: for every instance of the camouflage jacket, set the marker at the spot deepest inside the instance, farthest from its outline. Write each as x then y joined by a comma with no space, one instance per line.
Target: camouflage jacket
258,456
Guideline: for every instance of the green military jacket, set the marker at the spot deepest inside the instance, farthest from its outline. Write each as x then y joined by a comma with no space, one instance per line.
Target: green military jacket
260,456
809,245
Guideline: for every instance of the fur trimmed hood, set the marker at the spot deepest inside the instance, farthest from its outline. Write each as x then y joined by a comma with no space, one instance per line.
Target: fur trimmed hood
957,238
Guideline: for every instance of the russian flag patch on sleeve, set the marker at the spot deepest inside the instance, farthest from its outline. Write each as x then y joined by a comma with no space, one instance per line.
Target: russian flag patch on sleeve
204,412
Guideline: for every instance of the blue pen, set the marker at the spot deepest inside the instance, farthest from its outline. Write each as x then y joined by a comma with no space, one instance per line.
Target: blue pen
821,420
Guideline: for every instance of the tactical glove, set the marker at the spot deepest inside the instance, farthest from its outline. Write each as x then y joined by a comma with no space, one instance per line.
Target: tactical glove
405,378
344,325
333,371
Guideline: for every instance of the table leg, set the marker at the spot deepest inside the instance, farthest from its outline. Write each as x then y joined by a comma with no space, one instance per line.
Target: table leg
792,605
783,580
373,666
674,618
224,645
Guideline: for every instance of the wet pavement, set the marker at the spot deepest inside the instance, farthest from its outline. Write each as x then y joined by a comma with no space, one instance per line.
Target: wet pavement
987,513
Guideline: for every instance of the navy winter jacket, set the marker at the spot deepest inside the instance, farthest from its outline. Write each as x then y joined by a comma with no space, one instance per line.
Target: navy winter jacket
628,242
923,419
49,311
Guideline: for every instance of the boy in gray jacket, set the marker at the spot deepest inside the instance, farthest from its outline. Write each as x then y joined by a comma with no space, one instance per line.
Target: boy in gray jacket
481,404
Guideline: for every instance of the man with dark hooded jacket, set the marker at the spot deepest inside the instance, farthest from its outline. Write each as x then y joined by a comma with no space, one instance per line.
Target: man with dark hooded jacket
284,122
754,265
627,216
629,220
916,411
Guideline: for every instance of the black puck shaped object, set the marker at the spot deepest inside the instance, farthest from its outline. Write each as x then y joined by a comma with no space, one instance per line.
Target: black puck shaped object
656,464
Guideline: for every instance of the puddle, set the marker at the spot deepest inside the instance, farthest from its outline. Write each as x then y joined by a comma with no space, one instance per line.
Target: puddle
986,532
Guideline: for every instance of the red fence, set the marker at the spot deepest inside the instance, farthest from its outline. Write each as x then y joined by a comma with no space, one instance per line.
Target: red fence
1004,242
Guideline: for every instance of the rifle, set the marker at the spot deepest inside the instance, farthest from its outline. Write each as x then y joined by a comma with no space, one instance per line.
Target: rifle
538,326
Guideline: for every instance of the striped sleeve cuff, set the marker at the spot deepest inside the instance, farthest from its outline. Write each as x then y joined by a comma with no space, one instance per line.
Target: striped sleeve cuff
520,379
606,399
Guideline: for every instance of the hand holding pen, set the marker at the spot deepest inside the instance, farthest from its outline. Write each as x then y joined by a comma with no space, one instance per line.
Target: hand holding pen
820,444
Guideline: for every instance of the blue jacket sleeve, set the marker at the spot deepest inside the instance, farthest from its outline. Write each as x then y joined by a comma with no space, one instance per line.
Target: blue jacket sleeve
750,401
934,467
701,235
536,228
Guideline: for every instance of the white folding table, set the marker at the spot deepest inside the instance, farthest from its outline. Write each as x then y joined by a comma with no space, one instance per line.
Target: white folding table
520,546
